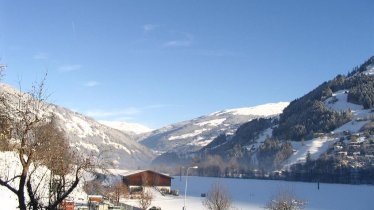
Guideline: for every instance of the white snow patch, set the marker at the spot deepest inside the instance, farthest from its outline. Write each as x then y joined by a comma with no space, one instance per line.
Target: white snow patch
361,116
352,126
79,127
187,135
127,127
215,122
200,141
261,139
204,143
369,70
8,200
267,133
261,110
341,103
316,147
119,146
87,146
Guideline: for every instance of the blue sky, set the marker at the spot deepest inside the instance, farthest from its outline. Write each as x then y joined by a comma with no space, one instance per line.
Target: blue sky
159,62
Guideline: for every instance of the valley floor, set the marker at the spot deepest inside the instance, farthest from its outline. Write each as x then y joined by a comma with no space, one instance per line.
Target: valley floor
251,194
254,194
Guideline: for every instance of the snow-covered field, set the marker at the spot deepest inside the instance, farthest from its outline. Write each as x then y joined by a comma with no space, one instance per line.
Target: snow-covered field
10,167
254,194
251,194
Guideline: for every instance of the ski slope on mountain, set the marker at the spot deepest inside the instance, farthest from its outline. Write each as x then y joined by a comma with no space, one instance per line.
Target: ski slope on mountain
361,116
320,145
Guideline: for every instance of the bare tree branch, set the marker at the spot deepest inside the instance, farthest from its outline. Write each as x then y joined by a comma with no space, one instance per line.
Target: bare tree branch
218,198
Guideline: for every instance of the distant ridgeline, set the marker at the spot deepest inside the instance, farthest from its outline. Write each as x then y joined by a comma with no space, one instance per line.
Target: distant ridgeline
264,145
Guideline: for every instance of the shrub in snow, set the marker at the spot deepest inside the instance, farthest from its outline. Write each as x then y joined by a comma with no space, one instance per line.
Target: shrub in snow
285,200
218,198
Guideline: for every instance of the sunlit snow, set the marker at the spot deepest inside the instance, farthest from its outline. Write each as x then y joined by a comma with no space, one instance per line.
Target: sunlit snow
369,70
127,127
261,110
315,147
214,122
254,194
187,135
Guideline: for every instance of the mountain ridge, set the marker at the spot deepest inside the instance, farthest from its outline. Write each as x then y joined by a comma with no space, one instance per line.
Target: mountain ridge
191,135
90,136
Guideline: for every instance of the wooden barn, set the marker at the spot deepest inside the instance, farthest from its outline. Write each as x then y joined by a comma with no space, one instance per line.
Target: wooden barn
139,178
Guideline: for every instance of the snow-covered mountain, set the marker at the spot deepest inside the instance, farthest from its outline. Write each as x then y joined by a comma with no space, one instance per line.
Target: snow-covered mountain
90,136
319,145
135,128
194,134
334,121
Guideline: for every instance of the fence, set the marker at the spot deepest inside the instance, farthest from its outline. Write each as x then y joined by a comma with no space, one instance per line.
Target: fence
128,207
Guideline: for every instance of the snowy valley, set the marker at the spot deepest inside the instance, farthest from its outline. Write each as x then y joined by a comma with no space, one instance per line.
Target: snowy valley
325,136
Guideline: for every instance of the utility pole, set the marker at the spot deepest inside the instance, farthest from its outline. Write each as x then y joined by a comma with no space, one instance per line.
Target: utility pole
185,189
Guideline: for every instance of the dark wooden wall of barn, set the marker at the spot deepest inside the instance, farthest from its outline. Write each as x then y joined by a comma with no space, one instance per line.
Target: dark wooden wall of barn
147,178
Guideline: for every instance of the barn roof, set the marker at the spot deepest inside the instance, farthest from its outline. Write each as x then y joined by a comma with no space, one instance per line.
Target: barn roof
133,172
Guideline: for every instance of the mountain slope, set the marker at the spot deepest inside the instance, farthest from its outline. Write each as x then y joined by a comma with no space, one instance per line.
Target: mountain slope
194,134
309,114
90,136
327,134
334,121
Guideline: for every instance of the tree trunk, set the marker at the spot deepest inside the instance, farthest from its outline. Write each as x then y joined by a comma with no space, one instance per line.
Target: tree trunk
33,200
55,204
21,193
21,200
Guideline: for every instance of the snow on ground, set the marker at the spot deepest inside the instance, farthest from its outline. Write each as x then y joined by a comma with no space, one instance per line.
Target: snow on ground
261,139
215,122
88,146
261,110
361,116
341,104
127,127
187,135
11,166
316,147
369,70
80,127
352,126
254,194
8,200
200,141
119,146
